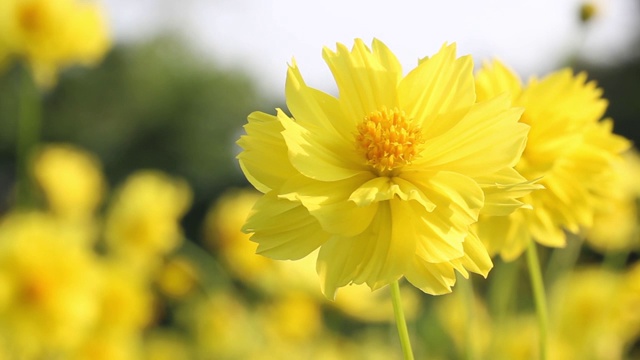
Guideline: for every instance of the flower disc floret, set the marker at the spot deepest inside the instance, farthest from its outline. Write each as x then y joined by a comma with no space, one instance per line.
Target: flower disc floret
388,139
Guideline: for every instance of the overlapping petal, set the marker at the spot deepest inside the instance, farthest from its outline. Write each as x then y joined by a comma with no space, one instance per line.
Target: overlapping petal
486,140
263,144
366,80
439,85
317,157
284,229
329,203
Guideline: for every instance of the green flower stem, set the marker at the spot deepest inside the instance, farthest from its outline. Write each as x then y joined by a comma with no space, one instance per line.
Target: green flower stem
562,260
539,296
29,120
400,321
615,260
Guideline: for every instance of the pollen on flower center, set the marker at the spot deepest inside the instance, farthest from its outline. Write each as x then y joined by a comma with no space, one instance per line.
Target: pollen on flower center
388,139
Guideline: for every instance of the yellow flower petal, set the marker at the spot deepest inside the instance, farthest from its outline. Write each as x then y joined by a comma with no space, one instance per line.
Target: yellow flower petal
377,256
366,81
329,203
475,259
318,156
480,148
440,84
384,188
432,278
504,190
263,144
494,79
283,229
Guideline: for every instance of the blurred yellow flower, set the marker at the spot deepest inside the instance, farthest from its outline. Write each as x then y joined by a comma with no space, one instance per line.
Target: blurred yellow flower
387,178
222,326
223,236
124,302
615,223
357,301
71,180
177,278
49,285
516,337
52,34
143,222
568,148
166,345
461,320
589,317
293,317
108,346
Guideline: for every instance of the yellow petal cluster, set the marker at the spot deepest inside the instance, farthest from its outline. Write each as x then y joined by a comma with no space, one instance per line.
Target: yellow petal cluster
143,222
388,177
71,180
52,34
569,148
48,285
615,222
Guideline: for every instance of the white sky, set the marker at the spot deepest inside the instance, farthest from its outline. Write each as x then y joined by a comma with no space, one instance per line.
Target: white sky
262,36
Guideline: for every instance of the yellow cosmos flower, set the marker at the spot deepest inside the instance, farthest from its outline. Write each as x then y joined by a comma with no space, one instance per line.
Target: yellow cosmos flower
386,178
51,34
615,224
568,148
594,314
71,180
143,223
48,286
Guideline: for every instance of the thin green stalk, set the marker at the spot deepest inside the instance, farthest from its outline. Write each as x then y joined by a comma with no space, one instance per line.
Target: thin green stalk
562,260
29,120
615,260
539,296
400,321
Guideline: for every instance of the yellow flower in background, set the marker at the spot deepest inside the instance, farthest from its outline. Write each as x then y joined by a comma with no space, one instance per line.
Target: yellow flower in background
223,236
589,316
387,178
293,317
615,223
516,337
222,327
48,286
358,302
52,34
177,278
125,302
143,222
460,320
569,149
166,345
71,180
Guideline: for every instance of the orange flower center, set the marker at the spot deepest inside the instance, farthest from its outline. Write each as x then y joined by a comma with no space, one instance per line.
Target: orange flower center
388,139
30,17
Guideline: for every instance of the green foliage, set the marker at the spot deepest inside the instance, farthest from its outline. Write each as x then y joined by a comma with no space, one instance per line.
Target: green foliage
155,105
